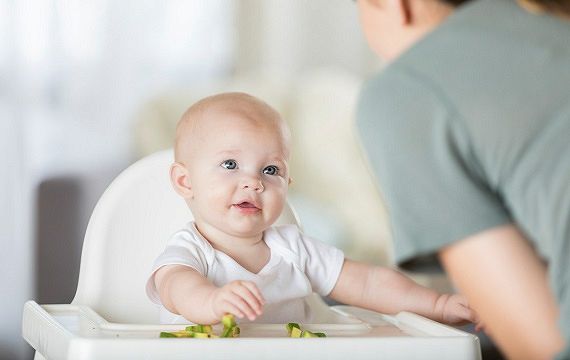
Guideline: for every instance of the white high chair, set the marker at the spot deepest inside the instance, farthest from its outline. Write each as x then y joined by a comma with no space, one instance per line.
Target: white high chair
111,317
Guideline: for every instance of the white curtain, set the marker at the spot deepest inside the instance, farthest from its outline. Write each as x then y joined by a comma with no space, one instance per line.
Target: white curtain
72,74
80,68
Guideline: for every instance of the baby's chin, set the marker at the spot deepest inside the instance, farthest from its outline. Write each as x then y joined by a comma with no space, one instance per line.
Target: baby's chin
246,229
233,228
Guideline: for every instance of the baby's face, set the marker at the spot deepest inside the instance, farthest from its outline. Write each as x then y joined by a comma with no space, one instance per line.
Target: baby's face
238,172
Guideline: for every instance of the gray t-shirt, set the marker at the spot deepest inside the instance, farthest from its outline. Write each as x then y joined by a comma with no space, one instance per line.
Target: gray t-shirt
470,129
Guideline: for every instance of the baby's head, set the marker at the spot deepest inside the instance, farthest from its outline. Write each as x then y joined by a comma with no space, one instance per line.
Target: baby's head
231,164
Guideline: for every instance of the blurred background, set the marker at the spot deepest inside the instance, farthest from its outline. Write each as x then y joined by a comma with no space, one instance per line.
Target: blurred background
89,86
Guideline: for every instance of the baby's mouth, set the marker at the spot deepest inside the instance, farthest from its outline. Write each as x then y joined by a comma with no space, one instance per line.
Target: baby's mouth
246,205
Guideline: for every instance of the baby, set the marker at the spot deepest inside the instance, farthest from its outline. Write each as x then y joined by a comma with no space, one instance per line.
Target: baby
231,167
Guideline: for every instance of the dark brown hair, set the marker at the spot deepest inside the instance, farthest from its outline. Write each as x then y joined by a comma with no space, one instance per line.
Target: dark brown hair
561,7
454,2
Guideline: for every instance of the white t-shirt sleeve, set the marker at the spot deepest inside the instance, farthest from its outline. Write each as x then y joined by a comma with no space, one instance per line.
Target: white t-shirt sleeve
183,248
321,262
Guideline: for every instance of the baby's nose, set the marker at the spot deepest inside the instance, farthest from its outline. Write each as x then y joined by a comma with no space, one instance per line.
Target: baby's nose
253,184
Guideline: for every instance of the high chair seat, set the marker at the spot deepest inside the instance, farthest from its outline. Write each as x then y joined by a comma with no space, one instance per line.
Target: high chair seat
128,228
111,317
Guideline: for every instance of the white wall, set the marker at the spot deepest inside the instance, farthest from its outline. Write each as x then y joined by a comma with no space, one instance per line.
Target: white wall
295,36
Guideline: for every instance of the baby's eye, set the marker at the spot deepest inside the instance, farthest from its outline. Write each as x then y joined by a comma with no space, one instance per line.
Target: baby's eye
271,170
229,164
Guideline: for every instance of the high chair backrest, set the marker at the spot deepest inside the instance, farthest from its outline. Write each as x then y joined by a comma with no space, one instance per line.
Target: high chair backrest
129,227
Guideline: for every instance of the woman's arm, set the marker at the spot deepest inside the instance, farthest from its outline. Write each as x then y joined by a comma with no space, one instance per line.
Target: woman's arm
506,283
388,291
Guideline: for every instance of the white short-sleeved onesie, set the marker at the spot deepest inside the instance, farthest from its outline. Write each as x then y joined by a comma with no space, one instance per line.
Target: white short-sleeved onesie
298,266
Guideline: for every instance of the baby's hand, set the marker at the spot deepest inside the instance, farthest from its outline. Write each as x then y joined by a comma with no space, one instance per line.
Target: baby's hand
241,298
456,310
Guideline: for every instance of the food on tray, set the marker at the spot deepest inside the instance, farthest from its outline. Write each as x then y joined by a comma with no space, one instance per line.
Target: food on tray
230,327
231,330
200,328
294,330
185,334
205,331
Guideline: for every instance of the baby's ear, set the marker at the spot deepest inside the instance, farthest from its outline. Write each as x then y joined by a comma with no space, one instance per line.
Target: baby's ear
180,179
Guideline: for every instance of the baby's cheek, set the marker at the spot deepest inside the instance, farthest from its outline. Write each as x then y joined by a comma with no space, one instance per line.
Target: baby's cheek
275,208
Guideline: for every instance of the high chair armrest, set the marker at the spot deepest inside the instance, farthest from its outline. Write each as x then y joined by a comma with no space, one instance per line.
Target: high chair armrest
44,332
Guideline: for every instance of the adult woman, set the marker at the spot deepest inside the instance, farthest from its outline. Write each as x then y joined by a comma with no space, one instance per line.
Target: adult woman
467,130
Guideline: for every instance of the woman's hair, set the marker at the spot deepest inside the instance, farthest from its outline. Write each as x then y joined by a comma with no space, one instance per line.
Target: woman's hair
454,2
561,7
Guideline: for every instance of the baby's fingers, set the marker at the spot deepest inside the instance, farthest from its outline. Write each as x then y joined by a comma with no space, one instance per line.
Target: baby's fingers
254,291
479,326
251,299
245,309
229,307
464,314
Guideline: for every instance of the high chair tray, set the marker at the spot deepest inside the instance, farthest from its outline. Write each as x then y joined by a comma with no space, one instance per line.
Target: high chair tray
77,332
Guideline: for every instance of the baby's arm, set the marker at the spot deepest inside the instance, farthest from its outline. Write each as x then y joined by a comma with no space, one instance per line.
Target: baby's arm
186,292
388,291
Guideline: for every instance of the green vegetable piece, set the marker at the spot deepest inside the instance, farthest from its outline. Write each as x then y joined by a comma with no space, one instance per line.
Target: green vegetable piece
310,334
193,328
229,321
200,335
291,326
235,331
296,332
307,334
227,332
200,328
178,334
183,334
230,326
206,331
